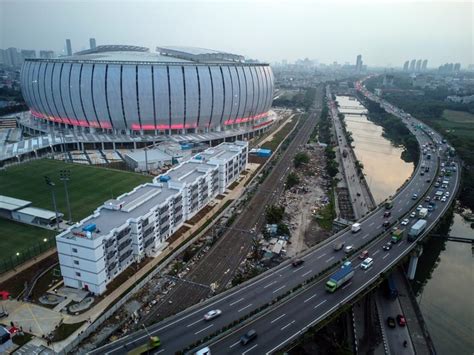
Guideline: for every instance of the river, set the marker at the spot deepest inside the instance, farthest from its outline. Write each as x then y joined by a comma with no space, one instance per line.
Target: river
445,279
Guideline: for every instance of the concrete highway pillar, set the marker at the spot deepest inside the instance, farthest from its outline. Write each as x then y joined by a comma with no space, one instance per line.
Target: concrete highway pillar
412,266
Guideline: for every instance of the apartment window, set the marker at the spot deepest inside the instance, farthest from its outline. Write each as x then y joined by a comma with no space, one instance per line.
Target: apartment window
74,250
76,262
78,274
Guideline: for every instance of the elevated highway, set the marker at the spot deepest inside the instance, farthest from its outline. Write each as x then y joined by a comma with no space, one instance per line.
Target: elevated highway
284,321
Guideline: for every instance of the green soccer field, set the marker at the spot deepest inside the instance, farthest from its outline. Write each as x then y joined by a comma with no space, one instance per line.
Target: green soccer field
88,188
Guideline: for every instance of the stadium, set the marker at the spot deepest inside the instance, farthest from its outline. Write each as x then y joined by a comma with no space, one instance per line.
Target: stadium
129,90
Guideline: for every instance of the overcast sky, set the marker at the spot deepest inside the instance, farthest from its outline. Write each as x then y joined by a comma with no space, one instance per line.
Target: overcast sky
384,32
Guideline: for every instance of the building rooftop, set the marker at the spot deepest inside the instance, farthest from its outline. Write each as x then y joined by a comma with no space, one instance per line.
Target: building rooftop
12,204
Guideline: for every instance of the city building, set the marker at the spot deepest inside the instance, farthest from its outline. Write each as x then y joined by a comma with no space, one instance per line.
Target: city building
44,54
412,65
405,66
138,224
130,90
359,63
92,44
424,66
28,53
418,65
457,67
68,47
13,57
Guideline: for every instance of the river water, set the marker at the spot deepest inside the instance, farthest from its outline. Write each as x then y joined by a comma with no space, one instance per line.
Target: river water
444,280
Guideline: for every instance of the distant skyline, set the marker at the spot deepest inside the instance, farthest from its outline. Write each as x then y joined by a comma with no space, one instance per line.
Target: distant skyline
386,33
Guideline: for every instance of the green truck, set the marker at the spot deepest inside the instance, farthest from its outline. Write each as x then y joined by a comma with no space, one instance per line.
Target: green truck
152,343
397,235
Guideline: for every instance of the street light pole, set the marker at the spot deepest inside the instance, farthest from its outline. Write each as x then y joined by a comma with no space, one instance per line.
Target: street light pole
51,184
65,176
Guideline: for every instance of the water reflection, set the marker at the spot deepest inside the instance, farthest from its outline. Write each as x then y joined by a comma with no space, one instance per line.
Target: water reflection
384,169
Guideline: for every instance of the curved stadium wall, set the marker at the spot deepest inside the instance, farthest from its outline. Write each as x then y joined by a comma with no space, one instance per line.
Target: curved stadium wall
138,96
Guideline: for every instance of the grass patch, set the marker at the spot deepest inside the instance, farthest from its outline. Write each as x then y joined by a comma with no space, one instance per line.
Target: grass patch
88,188
280,135
65,330
327,213
459,116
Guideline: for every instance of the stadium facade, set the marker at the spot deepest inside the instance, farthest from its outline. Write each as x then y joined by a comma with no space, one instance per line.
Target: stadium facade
130,90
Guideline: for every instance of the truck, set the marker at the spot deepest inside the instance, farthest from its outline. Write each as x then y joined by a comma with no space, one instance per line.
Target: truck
355,227
152,343
340,277
423,212
392,291
397,235
416,229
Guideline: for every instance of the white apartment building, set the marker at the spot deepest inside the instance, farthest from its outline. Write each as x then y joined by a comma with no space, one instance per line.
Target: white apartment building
138,223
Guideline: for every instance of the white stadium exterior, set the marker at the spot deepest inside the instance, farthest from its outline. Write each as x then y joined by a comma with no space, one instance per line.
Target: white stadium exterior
130,90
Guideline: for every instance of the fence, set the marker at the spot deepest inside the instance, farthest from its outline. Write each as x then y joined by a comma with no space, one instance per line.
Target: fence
24,255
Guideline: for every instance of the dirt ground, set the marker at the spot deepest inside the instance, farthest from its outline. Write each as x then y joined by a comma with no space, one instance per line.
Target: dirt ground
304,201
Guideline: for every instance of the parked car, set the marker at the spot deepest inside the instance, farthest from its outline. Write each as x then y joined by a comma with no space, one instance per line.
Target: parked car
391,322
401,320
212,314
297,262
413,214
248,337
405,222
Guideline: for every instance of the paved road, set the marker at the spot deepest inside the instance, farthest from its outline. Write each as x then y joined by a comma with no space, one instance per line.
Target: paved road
308,308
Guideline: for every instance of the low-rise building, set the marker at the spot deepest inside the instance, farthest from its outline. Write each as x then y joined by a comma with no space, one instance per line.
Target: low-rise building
138,223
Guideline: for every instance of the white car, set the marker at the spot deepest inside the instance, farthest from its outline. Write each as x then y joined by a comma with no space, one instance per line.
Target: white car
413,214
348,249
446,194
366,263
443,199
212,314
419,207
405,222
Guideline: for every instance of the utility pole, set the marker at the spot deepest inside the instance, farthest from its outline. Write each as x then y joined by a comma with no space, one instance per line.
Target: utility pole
51,184
146,159
65,176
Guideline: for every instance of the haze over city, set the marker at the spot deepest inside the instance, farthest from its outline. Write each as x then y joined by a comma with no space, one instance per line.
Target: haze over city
386,33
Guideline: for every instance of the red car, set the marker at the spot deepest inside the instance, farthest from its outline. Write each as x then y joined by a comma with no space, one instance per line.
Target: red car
401,320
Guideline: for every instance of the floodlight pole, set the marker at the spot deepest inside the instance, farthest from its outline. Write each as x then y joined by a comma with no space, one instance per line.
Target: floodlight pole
146,159
65,176
51,184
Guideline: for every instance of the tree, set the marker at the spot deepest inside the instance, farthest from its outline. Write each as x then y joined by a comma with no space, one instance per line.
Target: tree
274,214
292,180
300,159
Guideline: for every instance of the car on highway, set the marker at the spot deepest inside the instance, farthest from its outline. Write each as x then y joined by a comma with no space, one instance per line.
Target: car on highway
401,320
436,184
338,246
386,224
428,180
212,314
443,199
248,337
413,214
297,262
348,249
446,194
427,199
405,222
387,214
368,262
414,197
391,322
387,246
419,207
364,255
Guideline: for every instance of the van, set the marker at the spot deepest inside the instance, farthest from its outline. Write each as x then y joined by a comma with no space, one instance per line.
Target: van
203,351
366,263
248,337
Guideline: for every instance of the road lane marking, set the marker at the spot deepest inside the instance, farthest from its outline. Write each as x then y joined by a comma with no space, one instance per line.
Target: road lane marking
365,236
247,306
271,283
273,321
306,273
383,257
231,304
332,257
322,255
379,226
162,350
246,351
319,304
279,288
306,300
236,343
400,244
400,210
199,331
286,326
347,285
190,325
375,252
371,224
